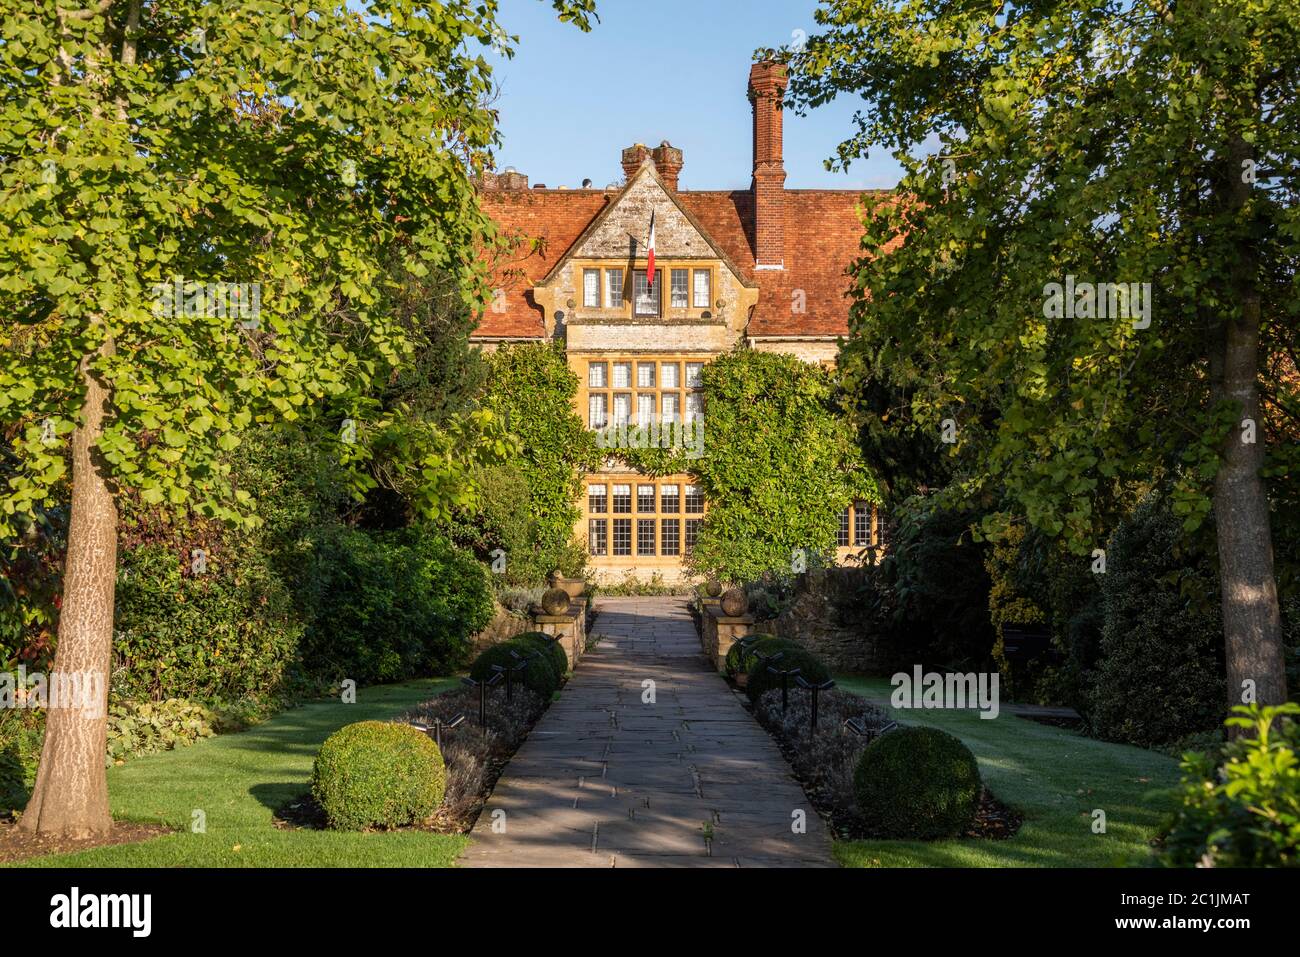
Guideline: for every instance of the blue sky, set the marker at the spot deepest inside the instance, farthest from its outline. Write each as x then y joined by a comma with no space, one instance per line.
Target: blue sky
655,70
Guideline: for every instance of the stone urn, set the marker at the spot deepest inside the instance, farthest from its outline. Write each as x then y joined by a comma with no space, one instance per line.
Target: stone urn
574,587
713,588
733,603
555,601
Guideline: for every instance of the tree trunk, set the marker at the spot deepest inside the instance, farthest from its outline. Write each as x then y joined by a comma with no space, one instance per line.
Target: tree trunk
1252,624
70,798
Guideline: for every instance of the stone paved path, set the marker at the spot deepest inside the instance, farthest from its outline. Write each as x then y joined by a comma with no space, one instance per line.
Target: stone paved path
605,780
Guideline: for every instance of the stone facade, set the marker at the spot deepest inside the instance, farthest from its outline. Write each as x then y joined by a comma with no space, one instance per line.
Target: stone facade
777,263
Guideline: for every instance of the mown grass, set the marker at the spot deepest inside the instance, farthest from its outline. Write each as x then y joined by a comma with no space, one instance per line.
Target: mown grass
1055,778
238,780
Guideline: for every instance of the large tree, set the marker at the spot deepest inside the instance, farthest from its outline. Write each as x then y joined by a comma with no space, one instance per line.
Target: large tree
1080,142
159,156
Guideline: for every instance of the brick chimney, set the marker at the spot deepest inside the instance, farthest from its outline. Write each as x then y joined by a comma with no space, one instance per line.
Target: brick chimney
633,157
510,179
767,83
668,162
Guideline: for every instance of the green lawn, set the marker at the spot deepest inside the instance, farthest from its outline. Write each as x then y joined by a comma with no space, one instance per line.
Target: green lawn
1054,778
237,780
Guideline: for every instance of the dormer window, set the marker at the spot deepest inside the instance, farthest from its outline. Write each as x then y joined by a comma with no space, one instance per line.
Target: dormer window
646,295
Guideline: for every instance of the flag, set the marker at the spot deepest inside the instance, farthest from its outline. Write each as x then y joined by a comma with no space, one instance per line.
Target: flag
650,253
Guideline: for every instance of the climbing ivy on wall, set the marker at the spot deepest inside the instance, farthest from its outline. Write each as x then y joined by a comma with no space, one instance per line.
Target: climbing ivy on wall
533,386
779,465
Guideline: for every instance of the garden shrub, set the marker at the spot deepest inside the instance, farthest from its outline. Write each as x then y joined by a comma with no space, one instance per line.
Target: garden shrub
1160,675
811,668
918,783
542,642
1242,810
383,606
540,677
145,727
378,774
929,596
228,632
21,733
529,507
741,658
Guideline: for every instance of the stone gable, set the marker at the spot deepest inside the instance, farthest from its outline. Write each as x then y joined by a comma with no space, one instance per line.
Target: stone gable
625,227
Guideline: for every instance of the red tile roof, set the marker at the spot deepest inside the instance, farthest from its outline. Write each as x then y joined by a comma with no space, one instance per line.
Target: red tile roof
823,232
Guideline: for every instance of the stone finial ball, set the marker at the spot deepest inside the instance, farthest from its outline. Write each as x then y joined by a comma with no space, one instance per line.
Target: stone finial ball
734,603
554,578
555,601
713,588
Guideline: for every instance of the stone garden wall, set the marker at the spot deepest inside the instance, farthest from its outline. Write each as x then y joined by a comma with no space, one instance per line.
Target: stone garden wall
828,615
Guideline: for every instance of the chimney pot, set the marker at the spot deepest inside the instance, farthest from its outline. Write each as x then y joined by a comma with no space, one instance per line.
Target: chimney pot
668,163
633,157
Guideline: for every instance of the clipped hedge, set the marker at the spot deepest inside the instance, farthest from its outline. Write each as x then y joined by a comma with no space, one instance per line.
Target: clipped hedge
742,658
378,774
917,783
539,677
811,668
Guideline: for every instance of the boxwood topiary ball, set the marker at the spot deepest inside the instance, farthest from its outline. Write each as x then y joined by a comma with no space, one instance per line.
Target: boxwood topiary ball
378,774
555,601
919,783
539,677
812,668
769,645
734,603
542,642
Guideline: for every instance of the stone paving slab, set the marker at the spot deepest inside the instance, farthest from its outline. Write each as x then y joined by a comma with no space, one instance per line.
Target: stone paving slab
606,779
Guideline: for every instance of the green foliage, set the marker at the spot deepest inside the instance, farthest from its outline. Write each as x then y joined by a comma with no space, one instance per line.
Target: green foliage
540,676
378,774
31,578
811,669
779,465
21,734
382,606
228,632
1160,675
1055,411
930,594
917,783
328,166
741,658
542,642
146,727
1244,809
529,507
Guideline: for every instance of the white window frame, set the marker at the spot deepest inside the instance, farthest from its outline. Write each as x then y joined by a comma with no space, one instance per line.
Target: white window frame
703,301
